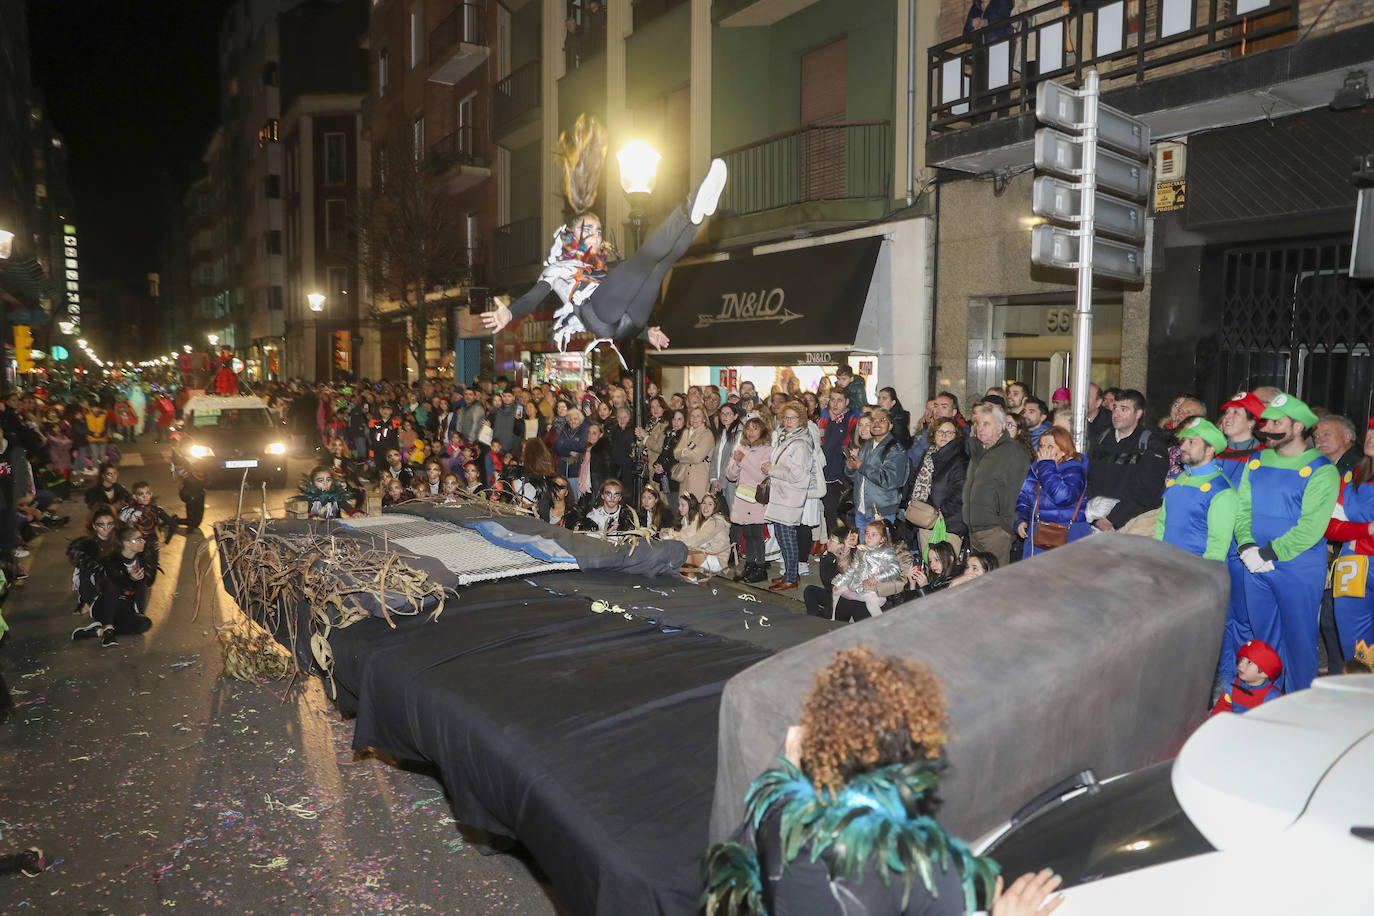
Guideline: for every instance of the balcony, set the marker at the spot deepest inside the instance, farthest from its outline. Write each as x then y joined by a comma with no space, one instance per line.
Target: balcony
459,160
822,162
516,101
1151,56
518,244
458,45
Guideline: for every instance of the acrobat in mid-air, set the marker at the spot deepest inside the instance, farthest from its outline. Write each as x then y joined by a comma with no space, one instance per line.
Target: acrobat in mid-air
610,304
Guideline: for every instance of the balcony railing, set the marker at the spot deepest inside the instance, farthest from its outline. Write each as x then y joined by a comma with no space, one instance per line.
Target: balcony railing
993,72
466,24
517,93
517,244
461,147
822,162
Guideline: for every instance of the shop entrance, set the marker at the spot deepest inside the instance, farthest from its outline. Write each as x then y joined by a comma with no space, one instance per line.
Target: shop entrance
1030,339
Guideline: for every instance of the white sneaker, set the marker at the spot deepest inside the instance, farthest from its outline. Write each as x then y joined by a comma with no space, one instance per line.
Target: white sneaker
20,553
708,195
803,569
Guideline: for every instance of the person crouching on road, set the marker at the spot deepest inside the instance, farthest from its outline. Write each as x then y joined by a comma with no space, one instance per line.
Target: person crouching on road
123,594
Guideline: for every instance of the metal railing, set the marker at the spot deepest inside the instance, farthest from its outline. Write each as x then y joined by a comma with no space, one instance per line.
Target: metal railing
517,93
851,161
993,71
517,244
461,147
467,24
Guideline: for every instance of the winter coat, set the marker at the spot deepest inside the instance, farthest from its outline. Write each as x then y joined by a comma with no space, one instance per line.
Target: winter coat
947,484
711,536
726,443
879,478
693,451
1061,488
747,473
570,440
791,477
993,481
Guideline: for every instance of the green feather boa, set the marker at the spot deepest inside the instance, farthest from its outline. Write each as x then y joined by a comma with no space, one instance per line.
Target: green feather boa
876,817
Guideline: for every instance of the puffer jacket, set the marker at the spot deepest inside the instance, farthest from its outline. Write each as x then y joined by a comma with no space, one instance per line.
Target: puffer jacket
791,477
879,479
1061,487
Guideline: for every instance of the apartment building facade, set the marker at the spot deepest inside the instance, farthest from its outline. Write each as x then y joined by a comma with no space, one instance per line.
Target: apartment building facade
1257,111
823,219
427,118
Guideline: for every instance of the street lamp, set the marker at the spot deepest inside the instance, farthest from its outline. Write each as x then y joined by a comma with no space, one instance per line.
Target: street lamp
317,301
6,244
66,327
214,339
638,175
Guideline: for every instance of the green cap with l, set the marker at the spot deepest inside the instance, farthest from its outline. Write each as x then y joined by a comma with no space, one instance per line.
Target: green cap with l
1198,426
1285,405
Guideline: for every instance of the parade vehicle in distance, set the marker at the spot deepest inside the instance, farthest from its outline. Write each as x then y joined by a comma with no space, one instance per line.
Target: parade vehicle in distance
224,436
1272,806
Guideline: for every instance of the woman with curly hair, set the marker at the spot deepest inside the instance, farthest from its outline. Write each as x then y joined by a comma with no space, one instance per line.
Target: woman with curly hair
846,823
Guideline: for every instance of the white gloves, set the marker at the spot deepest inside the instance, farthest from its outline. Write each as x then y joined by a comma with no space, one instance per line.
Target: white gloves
1250,556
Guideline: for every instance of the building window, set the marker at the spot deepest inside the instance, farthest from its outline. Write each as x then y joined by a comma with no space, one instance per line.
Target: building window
417,35
336,287
335,158
383,64
274,241
335,225
274,298
466,121
417,139
272,186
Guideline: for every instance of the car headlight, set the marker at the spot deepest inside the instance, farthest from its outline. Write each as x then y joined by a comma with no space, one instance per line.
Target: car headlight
200,451
276,448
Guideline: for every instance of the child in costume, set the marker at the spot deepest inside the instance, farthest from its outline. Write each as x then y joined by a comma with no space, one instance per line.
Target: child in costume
192,493
450,487
144,515
876,559
226,379
327,494
610,304
1257,668
396,493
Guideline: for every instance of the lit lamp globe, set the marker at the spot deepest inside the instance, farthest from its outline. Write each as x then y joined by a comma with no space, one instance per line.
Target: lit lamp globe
6,244
638,168
316,301
214,339
66,327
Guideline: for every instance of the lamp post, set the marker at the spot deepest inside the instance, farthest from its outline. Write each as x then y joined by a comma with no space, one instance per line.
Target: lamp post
638,175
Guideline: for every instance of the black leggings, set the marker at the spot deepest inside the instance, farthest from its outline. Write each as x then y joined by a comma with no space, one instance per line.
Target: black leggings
116,609
753,544
621,305
817,601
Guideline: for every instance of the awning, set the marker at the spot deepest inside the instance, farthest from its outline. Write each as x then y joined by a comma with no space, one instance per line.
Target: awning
797,307
25,282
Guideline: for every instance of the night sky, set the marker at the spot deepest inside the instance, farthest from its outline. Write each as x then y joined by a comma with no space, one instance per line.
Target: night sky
133,87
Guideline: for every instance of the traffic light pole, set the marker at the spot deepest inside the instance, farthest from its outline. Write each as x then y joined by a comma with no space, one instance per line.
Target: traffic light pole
1083,314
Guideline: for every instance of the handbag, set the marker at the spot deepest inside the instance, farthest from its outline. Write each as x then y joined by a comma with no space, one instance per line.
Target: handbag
1049,535
921,514
761,492
679,472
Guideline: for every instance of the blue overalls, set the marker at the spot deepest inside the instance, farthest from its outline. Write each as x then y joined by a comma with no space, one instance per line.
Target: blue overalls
1282,607
1351,585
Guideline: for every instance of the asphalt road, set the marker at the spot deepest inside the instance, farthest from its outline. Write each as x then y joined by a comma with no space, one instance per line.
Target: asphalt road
152,781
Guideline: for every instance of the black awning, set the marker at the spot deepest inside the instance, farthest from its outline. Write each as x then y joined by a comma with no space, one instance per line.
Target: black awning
24,280
807,300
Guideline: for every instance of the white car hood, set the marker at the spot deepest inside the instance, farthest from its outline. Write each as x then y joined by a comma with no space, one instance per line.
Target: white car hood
1243,779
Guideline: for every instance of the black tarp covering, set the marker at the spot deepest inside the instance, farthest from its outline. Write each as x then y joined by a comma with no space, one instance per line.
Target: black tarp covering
589,737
